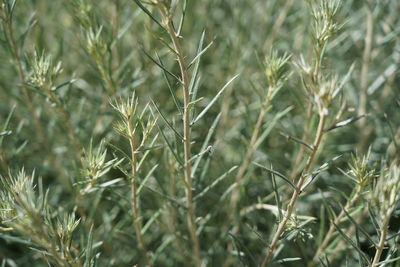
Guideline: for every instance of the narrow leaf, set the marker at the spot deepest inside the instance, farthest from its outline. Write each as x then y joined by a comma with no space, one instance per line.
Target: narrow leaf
301,142
351,242
166,121
277,174
359,227
344,123
196,67
178,159
176,101
4,130
166,197
146,178
213,184
277,197
205,143
214,100
182,20
145,10
199,54
151,220
161,66
271,126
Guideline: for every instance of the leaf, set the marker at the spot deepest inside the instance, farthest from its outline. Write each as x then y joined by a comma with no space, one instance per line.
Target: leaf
393,236
151,220
390,70
31,24
109,183
277,197
161,66
245,259
271,125
163,245
323,263
196,60
147,152
195,79
311,177
213,184
322,225
176,101
70,82
205,143
89,249
199,54
214,100
287,260
383,263
351,242
166,121
344,123
149,14
166,197
9,238
178,159
344,80
301,142
358,226
373,217
148,175
193,98
182,18
277,173
4,131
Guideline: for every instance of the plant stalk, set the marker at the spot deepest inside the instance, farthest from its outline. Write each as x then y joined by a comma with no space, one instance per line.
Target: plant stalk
134,197
381,244
247,159
186,143
365,65
27,96
296,193
331,230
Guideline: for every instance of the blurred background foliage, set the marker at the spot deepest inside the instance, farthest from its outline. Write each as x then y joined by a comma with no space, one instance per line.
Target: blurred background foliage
102,45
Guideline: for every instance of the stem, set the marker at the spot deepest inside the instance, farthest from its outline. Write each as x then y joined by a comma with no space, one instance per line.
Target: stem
186,140
67,121
247,158
295,171
342,243
296,193
365,66
3,161
278,24
381,244
331,230
21,74
239,177
134,197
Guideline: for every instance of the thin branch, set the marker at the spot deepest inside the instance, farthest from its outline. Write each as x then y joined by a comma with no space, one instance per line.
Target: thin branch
290,208
191,221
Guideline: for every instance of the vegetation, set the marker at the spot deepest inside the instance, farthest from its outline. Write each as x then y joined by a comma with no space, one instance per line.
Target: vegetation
199,133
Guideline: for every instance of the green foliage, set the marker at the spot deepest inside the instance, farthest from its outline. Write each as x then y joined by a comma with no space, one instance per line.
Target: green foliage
199,133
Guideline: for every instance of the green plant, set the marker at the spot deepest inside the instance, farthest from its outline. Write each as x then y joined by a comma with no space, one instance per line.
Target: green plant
199,133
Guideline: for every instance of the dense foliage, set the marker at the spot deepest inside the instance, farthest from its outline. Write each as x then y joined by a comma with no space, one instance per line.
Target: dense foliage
199,133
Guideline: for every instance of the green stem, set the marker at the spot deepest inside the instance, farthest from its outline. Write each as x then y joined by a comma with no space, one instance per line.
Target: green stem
331,230
27,96
381,244
296,193
190,217
134,197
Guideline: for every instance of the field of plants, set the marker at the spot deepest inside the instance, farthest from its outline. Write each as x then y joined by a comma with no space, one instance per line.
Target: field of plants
199,133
